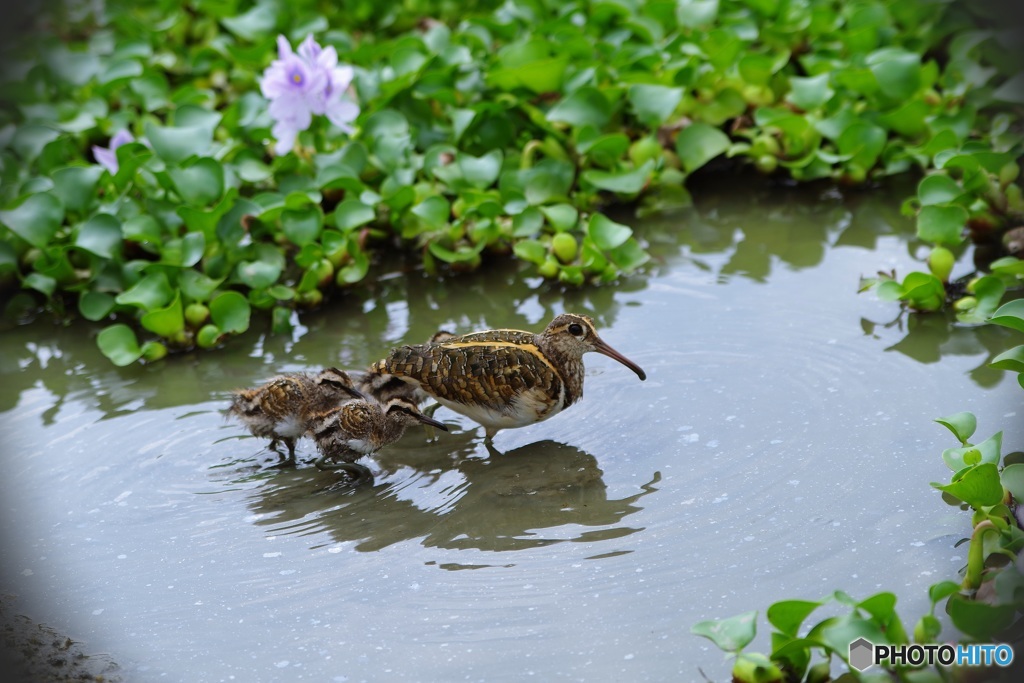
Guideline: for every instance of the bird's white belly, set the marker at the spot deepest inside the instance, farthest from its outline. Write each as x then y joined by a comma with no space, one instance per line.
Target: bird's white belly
290,426
529,407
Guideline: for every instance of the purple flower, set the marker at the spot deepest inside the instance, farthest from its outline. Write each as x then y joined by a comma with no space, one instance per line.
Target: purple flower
302,85
107,156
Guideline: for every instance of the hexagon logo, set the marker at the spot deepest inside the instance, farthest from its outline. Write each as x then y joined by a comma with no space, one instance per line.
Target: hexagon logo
862,654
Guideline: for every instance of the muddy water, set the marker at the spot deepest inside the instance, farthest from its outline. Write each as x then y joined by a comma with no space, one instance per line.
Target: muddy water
781,448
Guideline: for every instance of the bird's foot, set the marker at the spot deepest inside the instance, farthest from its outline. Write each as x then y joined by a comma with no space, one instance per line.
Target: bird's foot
358,474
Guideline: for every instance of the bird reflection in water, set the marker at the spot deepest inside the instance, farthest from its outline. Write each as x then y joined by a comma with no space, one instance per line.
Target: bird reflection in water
455,498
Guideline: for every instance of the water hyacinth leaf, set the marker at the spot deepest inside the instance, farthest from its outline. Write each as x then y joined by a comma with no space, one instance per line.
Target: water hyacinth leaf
352,213
1012,478
174,145
897,71
36,220
94,305
862,143
941,590
302,226
119,344
961,424
585,107
550,179
527,223
654,104
628,256
942,224
258,22
1010,314
1011,360
788,615
698,144
732,634
8,258
100,235
480,172
979,619
434,211
75,186
530,250
978,486
606,233
810,93
200,183
355,270
695,13
562,217
988,290
938,188
621,182
197,286
987,451
167,321
44,284
230,312
151,292
1012,91
185,251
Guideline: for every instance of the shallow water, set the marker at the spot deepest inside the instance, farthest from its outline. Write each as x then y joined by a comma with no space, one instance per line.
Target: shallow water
781,448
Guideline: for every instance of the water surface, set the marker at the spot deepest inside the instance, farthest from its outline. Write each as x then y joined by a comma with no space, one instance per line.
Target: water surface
781,448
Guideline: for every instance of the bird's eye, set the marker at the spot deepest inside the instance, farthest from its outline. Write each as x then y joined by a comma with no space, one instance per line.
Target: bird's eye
576,329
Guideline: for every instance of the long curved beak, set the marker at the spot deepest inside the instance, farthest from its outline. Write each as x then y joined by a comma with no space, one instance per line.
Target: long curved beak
602,347
431,421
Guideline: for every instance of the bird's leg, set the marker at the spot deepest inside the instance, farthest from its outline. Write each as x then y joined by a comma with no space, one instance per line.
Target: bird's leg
287,460
356,472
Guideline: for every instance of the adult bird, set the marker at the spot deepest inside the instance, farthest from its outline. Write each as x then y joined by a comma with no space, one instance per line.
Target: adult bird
504,379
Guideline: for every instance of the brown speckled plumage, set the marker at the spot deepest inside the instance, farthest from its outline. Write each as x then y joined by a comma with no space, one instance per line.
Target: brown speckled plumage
358,427
279,409
504,378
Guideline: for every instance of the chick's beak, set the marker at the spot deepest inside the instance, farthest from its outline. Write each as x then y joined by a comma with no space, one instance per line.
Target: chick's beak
432,422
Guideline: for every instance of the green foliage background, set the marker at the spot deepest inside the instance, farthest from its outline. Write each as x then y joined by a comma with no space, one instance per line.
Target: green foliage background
487,129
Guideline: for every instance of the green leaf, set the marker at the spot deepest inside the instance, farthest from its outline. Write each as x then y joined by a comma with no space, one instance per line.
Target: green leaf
530,250
100,235
434,211
185,251
1010,314
621,182
95,305
149,293
987,451
810,93
480,172
43,284
550,179
301,226
898,72
961,424
698,144
230,312
978,619
584,107
1012,478
942,224
628,256
167,321
978,486
1011,360
200,183
938,188
118,343
355,270
36,220
352,213
75,186
258,22
562,217
732,634
174,145
528,223
788,615
695,13
606,233
197,286
654,104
